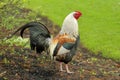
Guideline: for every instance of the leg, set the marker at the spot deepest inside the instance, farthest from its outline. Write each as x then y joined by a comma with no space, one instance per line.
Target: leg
61,68
67,69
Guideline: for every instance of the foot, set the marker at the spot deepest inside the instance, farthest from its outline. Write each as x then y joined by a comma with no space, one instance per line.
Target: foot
67,69
61,68
69,72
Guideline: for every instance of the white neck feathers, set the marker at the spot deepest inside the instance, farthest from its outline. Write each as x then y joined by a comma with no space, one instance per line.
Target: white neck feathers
70,26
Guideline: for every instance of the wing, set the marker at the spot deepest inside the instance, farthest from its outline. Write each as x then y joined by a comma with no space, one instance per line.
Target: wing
67,51
64,44
68,45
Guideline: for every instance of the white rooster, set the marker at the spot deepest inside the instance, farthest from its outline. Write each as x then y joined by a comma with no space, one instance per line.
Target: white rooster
61,48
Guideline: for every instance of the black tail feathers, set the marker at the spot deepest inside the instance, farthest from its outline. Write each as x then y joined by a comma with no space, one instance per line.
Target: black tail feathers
37,26
39,35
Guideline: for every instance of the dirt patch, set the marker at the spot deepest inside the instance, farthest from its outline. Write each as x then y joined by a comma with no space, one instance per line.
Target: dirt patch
24,64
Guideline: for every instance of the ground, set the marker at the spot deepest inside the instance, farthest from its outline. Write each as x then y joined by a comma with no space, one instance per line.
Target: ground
24,64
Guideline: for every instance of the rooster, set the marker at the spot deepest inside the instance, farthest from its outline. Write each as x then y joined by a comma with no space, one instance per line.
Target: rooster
61,48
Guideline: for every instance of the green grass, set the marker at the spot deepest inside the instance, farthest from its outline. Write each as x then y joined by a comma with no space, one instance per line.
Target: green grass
99,26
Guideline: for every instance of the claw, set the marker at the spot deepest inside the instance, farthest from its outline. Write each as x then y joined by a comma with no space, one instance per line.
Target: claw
68,71
61,68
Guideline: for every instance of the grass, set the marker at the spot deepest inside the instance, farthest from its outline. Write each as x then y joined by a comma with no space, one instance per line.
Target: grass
99,26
